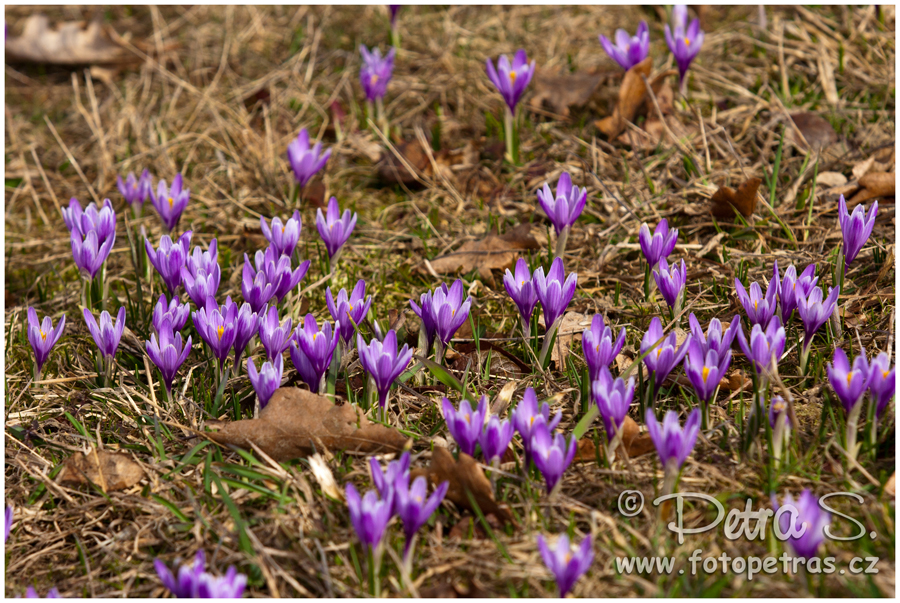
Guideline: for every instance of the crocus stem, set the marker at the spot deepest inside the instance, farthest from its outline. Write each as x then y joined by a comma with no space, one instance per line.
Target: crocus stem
407,554
561,241
395,37
438,351
804,355
873,433
508,124
548,341
671,477
37,374
647,281
382,120
370,111
373,575
852,428
778,436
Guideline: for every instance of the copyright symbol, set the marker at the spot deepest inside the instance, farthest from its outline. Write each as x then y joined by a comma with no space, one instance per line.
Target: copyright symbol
631,502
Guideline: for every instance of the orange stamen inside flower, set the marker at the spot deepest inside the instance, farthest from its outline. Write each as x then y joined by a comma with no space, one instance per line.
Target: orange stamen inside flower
512,77
658,352
849,378
44,336
373,80
756,305
883,375
171,202
705,373
314,336
219,332
687,41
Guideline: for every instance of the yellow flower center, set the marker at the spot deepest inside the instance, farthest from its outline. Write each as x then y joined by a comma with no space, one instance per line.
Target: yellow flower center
687,41
314,336
884,374
756,305
452,312
468,418
43,335
512,77
530,423
849,378
568,557
373,80
219,332
779,406
418,499
134,186
523,283
170,202
598,347
705,373
282,228
658,352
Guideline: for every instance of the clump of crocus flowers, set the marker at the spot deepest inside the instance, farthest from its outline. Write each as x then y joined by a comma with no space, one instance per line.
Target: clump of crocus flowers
511,78
374,77
554,291
850,383
566,564
194,582
384,363
655,247
443,311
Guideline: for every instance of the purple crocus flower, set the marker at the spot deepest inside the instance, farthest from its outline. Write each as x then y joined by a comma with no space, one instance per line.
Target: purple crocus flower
670,281
136,191
788,290
759,309
267,380
705,370
283,236
564,208
315,348
443,311
714,339
383,362
201,274
216,326
527,414
305,161
335,228
106,335
566,565
278,271
805,517
88,254
169,258
166,351
613,397
376,71
255,286
550,453
685,45
814,312
511,79
170,202
495,439
673,444
658,245
424,311
42,336
855,228
598,346
553,293
193,582
465,425
394,8
665,356
7,523
394,478
628,50
274,335
414,508
356,307
101,221
777,408
369,514
881,382
53,593
763,348
246,325
174,311
849,383
520,288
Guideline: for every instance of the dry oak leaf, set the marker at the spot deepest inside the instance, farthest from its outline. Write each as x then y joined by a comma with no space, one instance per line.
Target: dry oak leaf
816,130
631,97
466,478
297,423
109,470
830,179
568,334
726,199
494,252
560,92
70,44
634,443
875,184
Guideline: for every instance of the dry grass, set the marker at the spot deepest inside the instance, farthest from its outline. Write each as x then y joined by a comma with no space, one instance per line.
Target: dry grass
182,109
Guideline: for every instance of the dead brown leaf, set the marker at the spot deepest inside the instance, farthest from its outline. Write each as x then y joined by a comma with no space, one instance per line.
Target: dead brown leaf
569,333
109,470
455,590
466,478
631,97
494,252
831,179
726,200
296,423
815,129
585,451
633,441
559,92
392,169
890,489
875,184
863,167
70,44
